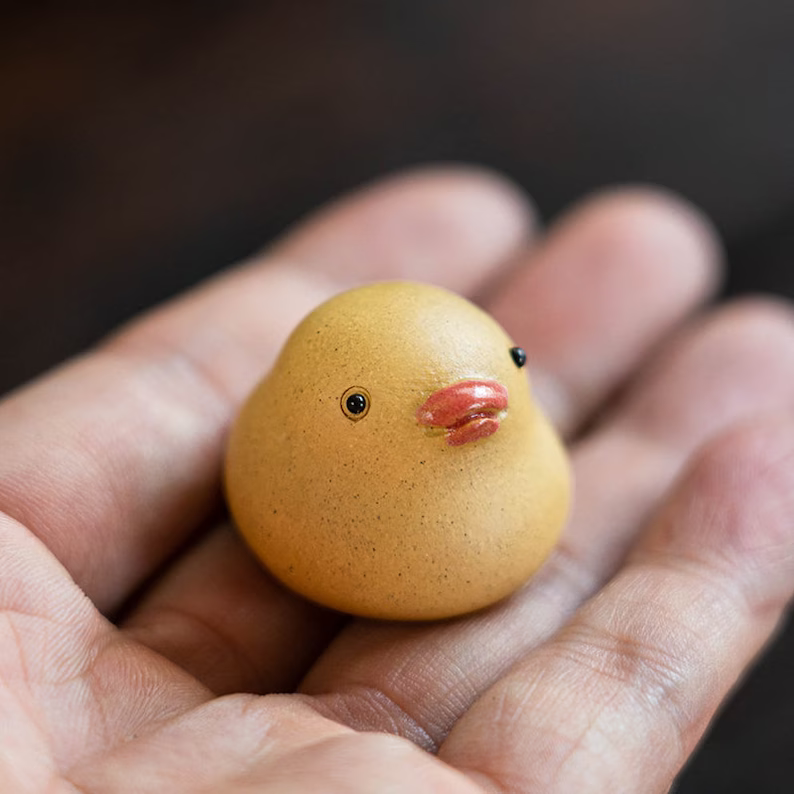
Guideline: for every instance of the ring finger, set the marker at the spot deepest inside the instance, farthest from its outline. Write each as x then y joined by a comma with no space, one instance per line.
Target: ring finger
417,681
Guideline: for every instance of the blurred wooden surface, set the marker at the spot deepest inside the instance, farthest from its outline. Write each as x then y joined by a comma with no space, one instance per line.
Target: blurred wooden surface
144,146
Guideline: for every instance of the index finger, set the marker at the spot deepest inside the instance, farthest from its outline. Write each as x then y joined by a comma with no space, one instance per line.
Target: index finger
114,459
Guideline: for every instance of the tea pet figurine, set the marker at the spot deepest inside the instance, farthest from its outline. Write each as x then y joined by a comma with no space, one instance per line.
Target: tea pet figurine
393,463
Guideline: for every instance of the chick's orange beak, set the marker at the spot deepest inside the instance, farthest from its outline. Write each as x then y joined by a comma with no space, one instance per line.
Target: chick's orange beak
469,410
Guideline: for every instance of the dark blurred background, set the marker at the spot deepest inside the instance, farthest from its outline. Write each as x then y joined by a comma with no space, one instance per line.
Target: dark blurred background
144,146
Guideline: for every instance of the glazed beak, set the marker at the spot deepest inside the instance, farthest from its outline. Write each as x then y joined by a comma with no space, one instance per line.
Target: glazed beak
469,410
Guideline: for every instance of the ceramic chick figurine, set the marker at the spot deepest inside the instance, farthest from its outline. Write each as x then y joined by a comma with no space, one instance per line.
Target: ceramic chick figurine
393,464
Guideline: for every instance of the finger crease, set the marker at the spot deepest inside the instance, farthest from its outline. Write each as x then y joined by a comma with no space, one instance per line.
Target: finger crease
366,708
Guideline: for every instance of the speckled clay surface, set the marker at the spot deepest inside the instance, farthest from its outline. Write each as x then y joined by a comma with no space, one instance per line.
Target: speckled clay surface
381,515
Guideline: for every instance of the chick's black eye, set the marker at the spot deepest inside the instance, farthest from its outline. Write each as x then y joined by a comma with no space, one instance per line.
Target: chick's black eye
355,403
519,356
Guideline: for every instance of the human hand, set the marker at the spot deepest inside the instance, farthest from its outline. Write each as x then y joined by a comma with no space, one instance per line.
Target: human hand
600,675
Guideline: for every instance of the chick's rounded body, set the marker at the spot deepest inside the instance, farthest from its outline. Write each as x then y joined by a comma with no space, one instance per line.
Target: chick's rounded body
371,511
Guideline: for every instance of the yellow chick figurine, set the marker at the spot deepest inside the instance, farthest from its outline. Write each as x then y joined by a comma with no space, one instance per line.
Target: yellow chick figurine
393,464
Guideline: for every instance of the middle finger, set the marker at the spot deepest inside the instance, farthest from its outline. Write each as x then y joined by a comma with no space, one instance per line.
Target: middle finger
589,261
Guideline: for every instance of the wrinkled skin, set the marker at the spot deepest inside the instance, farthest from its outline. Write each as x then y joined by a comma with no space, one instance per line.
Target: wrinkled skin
601,675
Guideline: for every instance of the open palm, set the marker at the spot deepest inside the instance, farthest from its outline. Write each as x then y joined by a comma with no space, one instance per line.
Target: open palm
141,646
